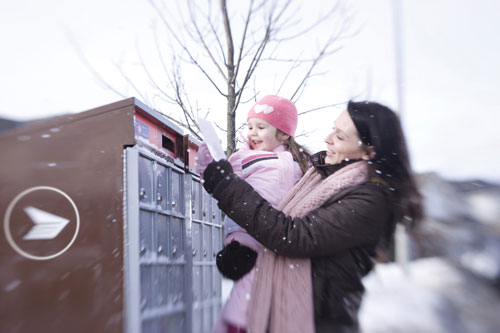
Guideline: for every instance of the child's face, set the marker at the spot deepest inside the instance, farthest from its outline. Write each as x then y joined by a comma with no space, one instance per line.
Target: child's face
262,135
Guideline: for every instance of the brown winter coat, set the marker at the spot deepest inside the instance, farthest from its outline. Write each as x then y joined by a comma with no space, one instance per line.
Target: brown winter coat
340,238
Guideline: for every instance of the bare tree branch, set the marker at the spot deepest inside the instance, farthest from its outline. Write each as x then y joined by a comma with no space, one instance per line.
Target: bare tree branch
90,68
217,39
151,80
183,46
292,68
130,82
321,108
231,47
243,38
316,23
253,65
320,56
220,127
201,39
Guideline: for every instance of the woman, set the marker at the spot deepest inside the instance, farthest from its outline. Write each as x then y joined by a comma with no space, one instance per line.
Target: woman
323,238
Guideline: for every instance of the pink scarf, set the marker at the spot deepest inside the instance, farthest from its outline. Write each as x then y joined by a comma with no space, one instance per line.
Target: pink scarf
282,299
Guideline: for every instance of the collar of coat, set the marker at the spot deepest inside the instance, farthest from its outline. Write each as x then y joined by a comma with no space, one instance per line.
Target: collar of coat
324,169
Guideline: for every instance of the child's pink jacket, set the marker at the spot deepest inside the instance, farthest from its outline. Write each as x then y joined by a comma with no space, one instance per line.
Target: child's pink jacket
271,174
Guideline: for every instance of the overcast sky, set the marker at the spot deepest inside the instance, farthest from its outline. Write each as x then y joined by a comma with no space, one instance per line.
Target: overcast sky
450,55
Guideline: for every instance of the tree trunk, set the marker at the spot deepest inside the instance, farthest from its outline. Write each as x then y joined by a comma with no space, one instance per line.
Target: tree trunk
231,122
231,79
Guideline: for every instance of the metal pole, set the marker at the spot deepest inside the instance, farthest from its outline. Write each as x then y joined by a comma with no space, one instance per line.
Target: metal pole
397,13
401,234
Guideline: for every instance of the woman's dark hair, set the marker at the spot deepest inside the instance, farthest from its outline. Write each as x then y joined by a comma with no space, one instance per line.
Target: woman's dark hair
299,153
379,126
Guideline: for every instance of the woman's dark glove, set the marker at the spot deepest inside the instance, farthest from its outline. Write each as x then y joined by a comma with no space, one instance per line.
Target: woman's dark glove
214,173
235,260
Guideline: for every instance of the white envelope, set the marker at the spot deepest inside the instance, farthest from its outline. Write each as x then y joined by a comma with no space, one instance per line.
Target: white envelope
211,139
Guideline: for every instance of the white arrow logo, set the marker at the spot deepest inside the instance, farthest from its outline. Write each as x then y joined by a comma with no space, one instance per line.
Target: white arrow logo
47,225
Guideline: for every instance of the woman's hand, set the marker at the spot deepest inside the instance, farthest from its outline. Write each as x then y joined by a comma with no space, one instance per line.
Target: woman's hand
235,260
215,172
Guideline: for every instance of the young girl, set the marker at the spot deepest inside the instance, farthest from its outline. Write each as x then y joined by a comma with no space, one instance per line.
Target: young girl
272,162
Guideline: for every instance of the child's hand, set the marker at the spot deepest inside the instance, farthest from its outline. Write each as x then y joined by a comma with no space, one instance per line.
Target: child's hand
235,260
203,158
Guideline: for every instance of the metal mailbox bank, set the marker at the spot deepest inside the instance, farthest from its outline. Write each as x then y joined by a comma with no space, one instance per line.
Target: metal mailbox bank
106,227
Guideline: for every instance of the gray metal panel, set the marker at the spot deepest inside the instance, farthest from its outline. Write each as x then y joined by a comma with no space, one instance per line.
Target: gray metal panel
187,275
161,281
216,241
173,283
131,240
196,228
150,326
207,282
162,233
206,207
217,287
145,181
176,283
146,233
196,200
216,213
207,297
146,284
197,283
197,320
207,241
162,182
207,319
174,323
177,237
177,201
163,236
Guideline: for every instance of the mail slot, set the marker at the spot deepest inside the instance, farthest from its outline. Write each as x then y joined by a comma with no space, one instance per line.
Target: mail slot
107,227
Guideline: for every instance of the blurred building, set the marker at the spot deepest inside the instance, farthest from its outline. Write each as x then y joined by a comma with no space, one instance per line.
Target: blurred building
452,283
462,223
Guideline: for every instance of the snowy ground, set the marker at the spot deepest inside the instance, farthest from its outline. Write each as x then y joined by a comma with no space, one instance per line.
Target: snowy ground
432,296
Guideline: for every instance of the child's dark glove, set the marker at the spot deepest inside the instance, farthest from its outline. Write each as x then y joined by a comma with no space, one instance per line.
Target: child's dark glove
214,173
235,260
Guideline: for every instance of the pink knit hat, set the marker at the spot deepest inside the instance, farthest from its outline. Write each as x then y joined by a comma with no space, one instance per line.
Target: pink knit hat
277,111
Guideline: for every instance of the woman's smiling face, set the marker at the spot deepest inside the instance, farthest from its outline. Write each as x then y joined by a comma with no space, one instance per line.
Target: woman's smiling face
344,142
